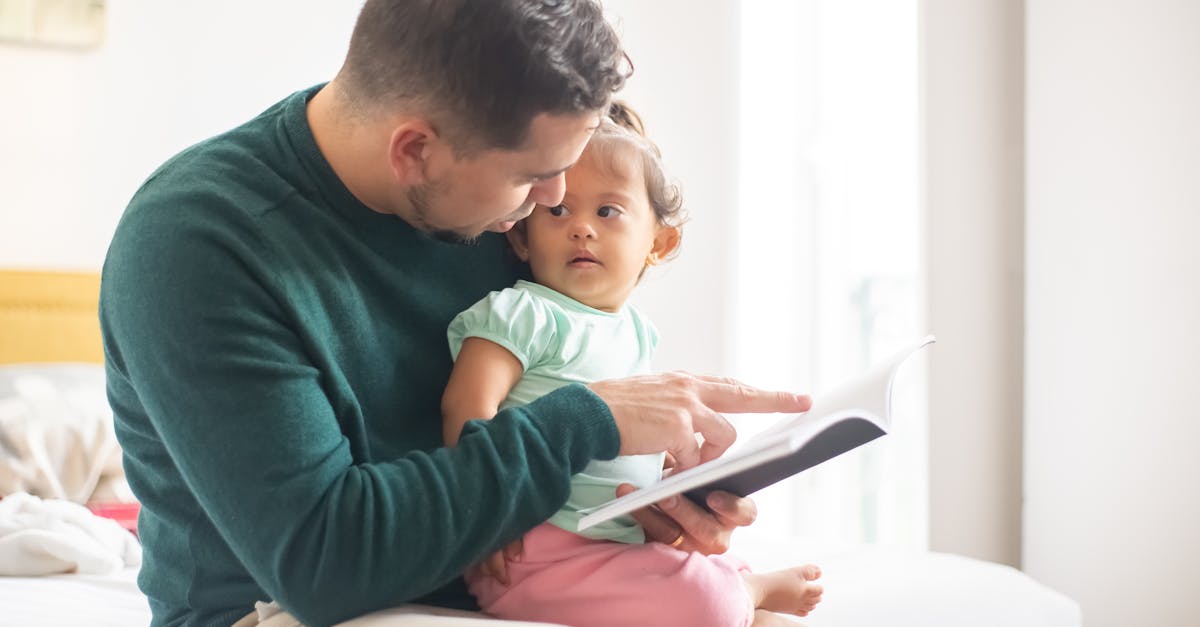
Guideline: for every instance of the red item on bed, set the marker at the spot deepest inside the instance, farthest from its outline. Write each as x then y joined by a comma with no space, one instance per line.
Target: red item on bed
126,514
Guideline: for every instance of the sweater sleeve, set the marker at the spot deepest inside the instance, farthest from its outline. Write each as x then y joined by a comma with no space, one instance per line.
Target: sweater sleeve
198,333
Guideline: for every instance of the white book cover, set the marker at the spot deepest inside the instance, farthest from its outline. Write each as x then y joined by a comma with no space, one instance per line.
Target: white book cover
844,418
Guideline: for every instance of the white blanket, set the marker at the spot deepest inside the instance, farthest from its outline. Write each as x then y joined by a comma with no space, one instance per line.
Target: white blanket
43,537
56,434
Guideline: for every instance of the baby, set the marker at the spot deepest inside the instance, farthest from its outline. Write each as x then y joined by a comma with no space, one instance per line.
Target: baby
572,324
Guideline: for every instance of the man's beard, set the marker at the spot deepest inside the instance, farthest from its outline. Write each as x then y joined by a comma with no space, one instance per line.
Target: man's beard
418,197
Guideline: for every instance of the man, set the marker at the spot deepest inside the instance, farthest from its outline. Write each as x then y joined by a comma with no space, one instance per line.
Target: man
274,308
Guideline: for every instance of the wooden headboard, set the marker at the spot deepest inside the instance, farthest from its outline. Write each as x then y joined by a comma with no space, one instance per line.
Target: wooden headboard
49,317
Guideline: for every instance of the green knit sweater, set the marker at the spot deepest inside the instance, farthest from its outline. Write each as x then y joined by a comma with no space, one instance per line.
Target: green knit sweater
276,354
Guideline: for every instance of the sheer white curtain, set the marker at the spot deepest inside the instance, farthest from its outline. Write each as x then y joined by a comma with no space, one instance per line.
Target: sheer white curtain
827,260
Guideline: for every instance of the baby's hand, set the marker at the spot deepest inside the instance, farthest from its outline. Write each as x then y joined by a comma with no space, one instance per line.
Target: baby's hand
496,564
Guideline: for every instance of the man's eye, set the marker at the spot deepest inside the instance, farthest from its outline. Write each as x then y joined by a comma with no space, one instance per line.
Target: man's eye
557,210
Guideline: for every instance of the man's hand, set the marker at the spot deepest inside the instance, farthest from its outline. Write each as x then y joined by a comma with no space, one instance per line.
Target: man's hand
663,412
679,522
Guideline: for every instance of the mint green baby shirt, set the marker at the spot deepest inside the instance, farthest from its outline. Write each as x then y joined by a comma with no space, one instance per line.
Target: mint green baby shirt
560,341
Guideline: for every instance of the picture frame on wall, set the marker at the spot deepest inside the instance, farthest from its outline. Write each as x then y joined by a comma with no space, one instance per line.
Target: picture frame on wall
78,24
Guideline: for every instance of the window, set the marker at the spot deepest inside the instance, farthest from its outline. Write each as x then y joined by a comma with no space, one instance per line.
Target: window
827,246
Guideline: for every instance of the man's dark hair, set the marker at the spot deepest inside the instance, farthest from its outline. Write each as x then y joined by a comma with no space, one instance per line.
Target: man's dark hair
482,69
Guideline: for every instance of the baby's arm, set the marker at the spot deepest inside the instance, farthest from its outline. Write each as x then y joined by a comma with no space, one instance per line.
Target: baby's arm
483,375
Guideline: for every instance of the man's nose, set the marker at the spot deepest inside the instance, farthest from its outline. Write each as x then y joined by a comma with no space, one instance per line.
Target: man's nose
549,192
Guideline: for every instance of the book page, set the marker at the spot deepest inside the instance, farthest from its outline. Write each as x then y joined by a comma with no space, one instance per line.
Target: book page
779,451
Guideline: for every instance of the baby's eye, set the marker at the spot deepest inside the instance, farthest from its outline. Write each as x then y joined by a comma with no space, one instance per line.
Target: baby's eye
607,211
557,210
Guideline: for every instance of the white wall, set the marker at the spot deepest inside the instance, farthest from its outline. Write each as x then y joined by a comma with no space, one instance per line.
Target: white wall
685,84
1112,474
971,125
79,131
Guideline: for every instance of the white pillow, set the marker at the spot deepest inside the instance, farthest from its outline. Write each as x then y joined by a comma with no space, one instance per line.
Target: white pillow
56,433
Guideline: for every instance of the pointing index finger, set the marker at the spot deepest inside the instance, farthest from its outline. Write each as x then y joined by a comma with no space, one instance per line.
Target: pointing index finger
727,395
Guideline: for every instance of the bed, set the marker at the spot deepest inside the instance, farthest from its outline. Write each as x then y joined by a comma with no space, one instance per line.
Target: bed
48,322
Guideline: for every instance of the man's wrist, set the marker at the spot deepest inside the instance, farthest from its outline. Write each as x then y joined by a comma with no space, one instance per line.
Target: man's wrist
576,417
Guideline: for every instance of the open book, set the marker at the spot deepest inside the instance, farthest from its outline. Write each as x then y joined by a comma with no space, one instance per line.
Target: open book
842,419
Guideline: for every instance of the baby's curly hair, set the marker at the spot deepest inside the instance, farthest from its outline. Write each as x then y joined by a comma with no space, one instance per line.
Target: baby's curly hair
622,130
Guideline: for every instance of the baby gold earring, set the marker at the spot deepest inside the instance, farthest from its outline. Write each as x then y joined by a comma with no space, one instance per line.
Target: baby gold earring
652,259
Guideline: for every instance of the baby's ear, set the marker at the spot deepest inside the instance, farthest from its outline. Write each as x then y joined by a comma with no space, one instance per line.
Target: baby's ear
666,240
516,239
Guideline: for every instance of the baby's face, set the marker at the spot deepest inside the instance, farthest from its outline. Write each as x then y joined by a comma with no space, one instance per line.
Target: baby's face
593,246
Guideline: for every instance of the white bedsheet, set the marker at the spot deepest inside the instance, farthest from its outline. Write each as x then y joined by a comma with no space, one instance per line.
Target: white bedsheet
867,587
72,600
863,588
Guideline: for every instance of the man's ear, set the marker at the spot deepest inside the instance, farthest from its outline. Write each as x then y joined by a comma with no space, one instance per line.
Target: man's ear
410,150
518,241
666,240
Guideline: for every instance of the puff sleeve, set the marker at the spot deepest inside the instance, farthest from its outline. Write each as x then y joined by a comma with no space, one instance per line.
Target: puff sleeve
512,318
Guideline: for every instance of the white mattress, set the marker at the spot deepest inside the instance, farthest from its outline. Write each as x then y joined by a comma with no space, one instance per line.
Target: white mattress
863,588
871,586
73,600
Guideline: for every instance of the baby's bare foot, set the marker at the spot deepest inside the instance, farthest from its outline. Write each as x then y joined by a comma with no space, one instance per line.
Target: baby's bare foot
763,618
790,591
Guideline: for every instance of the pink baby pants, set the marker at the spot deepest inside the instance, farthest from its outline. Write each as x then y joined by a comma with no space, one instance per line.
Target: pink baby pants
572,580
